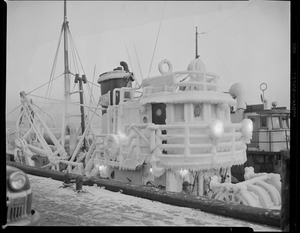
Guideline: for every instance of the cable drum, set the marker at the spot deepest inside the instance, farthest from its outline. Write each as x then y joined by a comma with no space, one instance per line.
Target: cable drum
160,67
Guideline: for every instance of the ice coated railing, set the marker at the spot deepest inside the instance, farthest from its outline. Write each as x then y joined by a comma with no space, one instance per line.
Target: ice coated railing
192,139
181,81
196,139
197,80
191,146
132,143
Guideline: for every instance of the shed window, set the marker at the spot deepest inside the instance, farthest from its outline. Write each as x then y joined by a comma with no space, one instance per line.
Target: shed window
178,112
198,111
275,122
285,122
263,121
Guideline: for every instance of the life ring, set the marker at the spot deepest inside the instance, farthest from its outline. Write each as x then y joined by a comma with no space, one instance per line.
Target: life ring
165,61
263,86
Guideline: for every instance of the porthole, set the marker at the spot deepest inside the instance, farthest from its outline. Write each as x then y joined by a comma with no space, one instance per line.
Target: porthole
145,119
197,110
158,112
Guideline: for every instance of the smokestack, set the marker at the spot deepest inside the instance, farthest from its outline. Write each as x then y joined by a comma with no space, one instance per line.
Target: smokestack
237,92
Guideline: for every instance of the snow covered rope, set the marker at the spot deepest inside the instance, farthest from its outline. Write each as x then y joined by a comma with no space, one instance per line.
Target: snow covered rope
261,190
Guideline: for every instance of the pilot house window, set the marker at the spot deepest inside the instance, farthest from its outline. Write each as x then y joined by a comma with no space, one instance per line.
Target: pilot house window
178,112
285,122
263,121
198,115
275,122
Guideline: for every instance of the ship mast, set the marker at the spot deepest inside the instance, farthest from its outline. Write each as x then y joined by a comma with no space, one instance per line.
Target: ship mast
67,83
197,56
66,113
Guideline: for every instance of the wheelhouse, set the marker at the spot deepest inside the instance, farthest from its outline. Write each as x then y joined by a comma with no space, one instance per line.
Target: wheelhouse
271,129
179,121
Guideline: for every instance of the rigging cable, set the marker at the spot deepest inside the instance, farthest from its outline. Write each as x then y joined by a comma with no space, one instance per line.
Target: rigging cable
93,84
46,113
218,55
89,119
62,101
216,25
13,109
76,60
138,60
137,83
90,102
75,56
45,99
49,88
239,11
163,11
51,79
75,49
90,89
44,84
72,48
120,25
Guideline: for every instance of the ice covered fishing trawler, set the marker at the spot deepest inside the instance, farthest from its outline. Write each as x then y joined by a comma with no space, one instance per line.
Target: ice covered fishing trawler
180,121
176,134
173,132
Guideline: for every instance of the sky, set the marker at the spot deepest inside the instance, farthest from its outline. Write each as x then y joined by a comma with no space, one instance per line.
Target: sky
241,41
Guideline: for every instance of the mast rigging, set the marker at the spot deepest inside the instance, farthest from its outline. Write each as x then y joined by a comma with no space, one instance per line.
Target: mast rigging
67,82
197,56
66,113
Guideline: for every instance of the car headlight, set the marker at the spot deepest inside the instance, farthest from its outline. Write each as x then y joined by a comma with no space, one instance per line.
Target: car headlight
17,180
216,129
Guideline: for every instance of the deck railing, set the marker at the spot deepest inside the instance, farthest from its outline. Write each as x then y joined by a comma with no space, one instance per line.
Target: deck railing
191,146
195,136
184,145
181,80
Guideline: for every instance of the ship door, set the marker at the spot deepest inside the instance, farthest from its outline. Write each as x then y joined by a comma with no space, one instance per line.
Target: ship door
159,113
159,117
